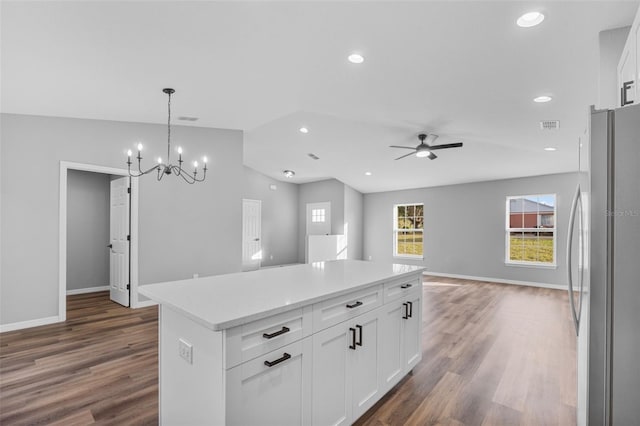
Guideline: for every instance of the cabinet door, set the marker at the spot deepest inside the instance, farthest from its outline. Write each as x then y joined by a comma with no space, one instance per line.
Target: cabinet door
391,344
364,362
331,394
275,394
626,73
412,332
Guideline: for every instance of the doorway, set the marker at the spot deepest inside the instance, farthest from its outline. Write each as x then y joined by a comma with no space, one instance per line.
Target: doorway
251,234
127,230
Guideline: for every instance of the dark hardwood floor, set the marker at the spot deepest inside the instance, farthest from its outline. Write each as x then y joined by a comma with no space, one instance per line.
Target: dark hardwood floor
493,354
99,367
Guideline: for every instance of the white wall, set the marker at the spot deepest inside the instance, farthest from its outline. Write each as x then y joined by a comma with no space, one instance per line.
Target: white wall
87,229
464,227
184,229
279,216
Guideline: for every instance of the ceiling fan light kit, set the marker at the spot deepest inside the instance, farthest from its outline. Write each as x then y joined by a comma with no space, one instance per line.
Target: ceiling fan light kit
424,149
168,168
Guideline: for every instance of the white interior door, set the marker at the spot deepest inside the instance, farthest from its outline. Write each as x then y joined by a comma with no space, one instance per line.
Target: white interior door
319,218
251,234
119,241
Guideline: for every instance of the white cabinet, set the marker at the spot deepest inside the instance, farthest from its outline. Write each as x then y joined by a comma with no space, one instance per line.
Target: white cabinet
331,404
325,360
346,370
629,67
401,327
273,389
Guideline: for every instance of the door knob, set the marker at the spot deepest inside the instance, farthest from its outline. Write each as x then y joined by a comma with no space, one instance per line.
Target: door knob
110,246
256,239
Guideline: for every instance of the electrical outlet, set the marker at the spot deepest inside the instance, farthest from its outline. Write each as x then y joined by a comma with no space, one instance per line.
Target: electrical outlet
196,275
369,257
185,349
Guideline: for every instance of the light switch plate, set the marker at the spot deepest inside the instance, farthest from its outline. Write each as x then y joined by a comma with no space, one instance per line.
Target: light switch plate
185,349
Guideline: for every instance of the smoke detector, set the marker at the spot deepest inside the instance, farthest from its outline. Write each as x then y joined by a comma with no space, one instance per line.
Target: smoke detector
550,124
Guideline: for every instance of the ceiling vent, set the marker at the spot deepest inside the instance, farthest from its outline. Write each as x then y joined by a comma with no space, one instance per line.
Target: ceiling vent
550,124
312,155
188,118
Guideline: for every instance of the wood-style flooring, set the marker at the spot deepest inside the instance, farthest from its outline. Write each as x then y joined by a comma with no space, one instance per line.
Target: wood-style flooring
493,354
98,367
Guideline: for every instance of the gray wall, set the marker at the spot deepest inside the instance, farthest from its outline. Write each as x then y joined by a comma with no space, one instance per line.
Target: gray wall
183,228
465,226
279,216
353,219
331,190
87,229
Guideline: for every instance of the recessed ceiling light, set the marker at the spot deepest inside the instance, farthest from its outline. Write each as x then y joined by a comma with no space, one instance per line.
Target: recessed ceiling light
530,19
304,130
289,173
356,58
550,149
542,99
367,173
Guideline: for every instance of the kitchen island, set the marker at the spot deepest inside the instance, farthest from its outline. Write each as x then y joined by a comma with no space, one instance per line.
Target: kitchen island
307,344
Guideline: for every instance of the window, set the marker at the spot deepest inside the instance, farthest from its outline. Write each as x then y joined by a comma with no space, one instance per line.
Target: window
317,215
408,225
531,230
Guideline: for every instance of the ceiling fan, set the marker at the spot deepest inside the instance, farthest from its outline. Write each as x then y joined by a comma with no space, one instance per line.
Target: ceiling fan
424,149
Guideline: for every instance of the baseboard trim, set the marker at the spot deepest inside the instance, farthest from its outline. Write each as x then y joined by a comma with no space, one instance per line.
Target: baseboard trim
497,280
28,324
87,290
145,303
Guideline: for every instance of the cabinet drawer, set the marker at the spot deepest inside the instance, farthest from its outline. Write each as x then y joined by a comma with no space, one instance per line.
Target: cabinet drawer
400,288
273,389
256,338
341,308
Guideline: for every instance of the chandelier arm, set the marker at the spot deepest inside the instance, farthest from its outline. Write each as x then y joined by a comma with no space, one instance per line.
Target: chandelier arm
204,176
186,176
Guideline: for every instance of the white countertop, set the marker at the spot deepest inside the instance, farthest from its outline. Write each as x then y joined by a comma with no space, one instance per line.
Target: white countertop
224,301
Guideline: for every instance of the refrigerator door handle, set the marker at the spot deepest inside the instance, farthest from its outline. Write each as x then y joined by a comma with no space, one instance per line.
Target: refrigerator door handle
572,216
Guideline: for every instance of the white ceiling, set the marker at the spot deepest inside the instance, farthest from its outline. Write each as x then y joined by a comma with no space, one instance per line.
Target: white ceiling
462,70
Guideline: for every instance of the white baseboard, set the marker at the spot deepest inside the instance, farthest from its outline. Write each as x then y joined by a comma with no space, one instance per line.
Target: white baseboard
497,280
87,290
28,324
145,303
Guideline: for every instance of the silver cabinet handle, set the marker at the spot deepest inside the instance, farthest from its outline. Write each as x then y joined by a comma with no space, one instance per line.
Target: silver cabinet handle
574,206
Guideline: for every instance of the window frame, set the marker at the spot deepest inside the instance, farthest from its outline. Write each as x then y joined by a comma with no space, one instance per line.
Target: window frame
509,230
318,215
396,230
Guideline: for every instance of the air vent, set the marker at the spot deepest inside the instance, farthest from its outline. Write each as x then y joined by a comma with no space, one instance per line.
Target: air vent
312,155
550,124
188,118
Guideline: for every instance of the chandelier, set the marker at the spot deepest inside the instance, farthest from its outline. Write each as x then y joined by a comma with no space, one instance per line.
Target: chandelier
168,168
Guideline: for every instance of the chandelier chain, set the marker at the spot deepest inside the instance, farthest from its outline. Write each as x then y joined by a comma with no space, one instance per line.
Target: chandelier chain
169,131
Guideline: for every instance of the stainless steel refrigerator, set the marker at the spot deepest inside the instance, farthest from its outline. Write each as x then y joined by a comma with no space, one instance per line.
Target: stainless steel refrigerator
604,270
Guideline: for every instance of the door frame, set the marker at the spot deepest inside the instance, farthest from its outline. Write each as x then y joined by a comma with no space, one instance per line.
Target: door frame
261,242
65,166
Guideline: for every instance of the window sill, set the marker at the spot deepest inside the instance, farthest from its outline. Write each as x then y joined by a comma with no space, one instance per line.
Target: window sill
408,257
532,265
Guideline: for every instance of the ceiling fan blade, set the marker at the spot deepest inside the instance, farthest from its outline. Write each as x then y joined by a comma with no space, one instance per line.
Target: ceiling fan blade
432,156
448,145
405,147
406,155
